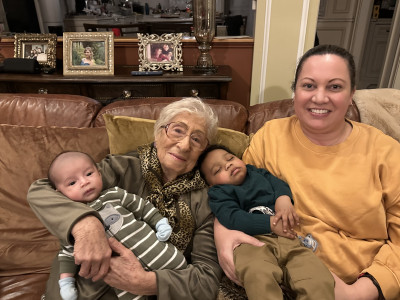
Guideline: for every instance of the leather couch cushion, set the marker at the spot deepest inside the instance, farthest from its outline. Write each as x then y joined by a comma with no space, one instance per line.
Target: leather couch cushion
23,287
48,110
127,133
26,152
231,114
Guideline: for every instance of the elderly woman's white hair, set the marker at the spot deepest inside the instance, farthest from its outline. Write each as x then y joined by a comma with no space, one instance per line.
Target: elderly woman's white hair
193,106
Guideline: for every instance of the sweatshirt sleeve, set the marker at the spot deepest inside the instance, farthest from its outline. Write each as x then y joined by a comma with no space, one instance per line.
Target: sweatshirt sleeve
385,266
229,213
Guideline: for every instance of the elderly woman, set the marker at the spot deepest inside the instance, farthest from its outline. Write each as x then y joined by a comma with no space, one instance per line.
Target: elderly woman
344,177
165,173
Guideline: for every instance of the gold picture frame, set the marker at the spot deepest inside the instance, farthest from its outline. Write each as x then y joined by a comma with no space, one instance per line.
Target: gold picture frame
88,53
41,47
160,52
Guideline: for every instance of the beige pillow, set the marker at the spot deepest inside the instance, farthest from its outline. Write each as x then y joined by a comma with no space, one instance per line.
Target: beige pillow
25,154
236,141
127,133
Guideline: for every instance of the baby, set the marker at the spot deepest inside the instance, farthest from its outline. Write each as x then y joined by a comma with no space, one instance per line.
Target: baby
75,175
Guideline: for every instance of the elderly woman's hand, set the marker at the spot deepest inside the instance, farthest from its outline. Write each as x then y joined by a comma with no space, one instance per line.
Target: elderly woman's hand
91,249
226,241
126,273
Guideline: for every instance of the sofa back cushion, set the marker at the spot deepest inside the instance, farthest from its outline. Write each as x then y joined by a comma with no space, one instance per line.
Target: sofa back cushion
48,110
231,115
25,154
261,113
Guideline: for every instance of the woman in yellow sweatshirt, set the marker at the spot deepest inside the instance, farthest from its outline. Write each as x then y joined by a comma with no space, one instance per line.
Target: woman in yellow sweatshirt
344,176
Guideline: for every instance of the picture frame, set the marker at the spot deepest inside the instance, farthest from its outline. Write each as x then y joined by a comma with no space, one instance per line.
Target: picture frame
160,52
88,53
41,47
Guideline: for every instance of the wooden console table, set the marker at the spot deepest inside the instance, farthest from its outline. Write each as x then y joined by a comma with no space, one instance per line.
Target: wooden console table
122,85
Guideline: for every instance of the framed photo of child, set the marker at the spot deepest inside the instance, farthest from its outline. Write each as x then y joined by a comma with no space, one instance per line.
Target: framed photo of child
88,53
41,47
160,52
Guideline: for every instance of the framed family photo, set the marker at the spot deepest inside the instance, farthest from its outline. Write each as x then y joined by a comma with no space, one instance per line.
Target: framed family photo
160,52
41,47
88,53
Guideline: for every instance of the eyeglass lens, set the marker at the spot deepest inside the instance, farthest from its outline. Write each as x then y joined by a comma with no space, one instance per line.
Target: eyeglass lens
178,130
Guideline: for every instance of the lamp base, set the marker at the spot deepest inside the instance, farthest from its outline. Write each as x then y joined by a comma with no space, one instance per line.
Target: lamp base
205,70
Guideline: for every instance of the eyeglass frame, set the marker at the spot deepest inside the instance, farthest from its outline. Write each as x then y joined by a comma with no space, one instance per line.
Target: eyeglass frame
166,127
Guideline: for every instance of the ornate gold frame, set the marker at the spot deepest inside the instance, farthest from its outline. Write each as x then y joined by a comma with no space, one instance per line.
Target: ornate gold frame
148,41
73,48
24,43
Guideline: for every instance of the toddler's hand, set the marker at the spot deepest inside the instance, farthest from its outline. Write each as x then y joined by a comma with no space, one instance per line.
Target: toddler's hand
164,230
284,211
278,229
68,290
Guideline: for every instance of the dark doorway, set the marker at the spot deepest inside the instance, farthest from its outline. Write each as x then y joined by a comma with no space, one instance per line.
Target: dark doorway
21,16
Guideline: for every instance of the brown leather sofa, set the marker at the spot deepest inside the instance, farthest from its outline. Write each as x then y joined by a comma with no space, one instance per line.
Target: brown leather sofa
33,129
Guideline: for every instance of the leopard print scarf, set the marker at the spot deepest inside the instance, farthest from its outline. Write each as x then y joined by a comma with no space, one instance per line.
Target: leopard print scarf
166,197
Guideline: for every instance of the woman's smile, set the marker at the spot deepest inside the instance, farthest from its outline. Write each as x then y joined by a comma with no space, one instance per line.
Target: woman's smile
177,156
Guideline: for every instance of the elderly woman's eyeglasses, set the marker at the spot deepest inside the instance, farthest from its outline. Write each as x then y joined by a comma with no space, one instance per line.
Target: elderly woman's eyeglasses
178,131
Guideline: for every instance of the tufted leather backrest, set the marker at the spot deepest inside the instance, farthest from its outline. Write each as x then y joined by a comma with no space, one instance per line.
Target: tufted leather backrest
231,115
48,109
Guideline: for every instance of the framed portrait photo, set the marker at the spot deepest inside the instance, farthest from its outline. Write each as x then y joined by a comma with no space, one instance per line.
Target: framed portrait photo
160,52
88,53
41,47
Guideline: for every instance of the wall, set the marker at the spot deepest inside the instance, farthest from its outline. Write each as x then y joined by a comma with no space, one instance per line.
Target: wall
282,35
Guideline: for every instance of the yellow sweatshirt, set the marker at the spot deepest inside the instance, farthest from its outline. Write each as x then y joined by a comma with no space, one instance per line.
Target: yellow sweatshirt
347,196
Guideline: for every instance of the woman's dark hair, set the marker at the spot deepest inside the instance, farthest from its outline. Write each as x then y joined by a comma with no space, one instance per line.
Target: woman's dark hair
328,49
204,154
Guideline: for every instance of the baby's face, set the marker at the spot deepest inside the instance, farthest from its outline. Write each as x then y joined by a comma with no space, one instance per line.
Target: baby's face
221,167
78,179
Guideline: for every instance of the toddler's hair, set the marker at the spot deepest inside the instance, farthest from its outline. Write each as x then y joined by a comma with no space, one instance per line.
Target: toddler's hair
203,156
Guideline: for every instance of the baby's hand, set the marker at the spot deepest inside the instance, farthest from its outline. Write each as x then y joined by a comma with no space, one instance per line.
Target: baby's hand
284,210
278,230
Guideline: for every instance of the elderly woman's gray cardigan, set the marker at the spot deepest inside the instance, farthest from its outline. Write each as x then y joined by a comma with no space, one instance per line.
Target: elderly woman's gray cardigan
201,278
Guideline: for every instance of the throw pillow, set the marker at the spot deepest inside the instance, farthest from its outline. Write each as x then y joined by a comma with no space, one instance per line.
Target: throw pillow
127,133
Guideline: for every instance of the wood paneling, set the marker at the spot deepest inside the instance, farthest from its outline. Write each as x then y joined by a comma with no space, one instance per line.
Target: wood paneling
236,53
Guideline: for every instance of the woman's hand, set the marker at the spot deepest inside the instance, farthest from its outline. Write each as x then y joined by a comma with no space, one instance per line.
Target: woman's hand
91,249
362,289
126,273
226,241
